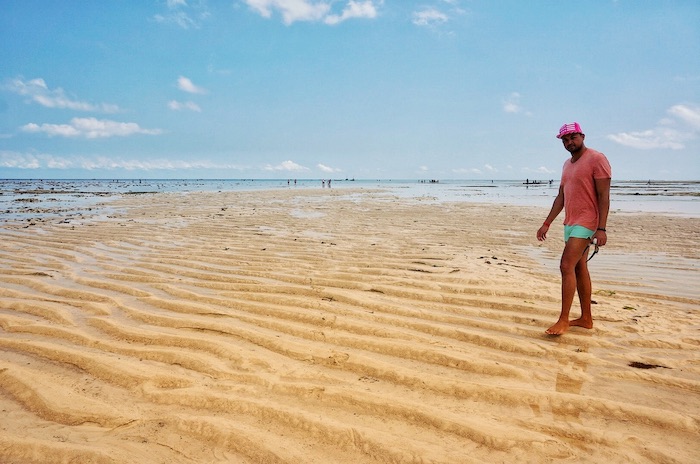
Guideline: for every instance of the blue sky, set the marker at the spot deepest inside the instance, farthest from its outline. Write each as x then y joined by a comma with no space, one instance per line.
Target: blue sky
385,89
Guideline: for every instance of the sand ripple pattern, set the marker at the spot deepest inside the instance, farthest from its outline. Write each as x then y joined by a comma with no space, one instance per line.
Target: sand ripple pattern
327,327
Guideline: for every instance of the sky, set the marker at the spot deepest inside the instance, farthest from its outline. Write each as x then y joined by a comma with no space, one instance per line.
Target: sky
366,89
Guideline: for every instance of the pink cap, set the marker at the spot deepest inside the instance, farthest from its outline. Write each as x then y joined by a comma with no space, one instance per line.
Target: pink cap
572,128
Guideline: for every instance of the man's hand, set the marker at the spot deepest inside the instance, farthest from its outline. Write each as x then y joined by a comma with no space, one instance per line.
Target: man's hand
601,237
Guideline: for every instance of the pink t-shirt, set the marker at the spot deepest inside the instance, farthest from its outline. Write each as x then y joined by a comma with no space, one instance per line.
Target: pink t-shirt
578,183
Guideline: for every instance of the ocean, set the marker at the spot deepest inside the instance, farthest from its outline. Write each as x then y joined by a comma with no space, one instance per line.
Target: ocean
22,199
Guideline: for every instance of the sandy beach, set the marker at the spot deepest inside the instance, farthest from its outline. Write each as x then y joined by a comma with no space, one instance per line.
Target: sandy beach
340,326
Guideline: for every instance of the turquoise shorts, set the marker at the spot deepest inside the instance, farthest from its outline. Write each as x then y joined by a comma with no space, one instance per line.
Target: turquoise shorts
577,232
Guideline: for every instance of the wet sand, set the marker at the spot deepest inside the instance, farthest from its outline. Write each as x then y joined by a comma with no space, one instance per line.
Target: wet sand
325,326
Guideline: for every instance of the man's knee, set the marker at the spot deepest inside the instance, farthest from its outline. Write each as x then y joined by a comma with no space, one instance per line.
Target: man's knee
573,253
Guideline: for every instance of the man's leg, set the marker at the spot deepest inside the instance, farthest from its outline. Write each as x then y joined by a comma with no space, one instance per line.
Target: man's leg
574,251
584,288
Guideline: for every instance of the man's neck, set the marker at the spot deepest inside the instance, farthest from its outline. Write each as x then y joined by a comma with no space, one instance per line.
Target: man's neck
578,153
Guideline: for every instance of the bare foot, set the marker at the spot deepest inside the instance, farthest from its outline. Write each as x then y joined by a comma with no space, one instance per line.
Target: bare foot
559,328
581,322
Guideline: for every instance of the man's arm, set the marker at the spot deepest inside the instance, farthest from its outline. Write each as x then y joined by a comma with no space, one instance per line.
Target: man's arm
602,188
557,208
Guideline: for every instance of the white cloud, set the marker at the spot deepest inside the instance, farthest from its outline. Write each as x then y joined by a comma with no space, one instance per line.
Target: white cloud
310,10
511,104
39,92
353,9
291,10
468,171
65,130
179,18
689,114
188,105
325,168
90,128
146,165
186,85
651,138
429,17
286,166
670,133
544,170
184,15
11,159
17,160
511,107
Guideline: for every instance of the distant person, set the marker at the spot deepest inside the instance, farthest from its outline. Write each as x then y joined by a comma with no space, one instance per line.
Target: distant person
584,195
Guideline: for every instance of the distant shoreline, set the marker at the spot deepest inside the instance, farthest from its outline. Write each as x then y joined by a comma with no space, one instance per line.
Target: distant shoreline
25,199
313,179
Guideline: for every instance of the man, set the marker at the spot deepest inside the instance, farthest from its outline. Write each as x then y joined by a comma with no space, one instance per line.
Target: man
584,195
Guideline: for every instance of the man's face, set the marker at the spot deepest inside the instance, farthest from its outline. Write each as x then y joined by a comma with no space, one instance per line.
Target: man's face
572,142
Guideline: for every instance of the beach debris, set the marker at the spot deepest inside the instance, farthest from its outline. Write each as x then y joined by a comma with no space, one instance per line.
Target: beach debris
641,365
605,292
40,274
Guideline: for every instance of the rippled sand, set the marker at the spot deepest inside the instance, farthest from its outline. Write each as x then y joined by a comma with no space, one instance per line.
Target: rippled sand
325,326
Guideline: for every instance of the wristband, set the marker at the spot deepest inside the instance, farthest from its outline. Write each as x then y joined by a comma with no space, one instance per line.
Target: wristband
601,228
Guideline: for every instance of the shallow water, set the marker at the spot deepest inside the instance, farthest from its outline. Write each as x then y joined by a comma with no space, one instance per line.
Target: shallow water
67,199
640,273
